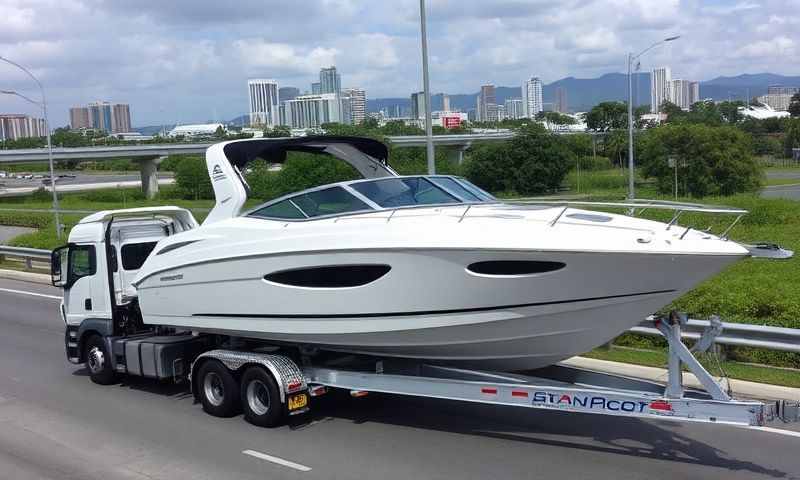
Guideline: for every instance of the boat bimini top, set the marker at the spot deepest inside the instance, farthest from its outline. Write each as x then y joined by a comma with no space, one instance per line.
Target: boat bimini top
227,160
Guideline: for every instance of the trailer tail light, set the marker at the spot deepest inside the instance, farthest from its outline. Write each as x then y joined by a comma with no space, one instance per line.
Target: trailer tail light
294,385
489,391
662,405
519,394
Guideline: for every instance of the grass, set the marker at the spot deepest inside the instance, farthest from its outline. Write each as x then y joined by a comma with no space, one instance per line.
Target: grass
780,181
737,370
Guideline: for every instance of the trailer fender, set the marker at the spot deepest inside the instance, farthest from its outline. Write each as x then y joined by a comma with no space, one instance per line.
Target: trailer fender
287,374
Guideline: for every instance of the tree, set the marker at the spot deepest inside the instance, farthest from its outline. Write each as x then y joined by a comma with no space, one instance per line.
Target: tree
220,132
607,116
673,112
535,161
192,180
711,160
791,138
555,118
794,106
278,131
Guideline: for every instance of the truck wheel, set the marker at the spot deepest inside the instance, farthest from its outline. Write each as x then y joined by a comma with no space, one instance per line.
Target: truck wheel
218,390
261,400
98,361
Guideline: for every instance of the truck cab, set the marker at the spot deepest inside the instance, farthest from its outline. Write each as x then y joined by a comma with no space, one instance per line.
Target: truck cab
96,267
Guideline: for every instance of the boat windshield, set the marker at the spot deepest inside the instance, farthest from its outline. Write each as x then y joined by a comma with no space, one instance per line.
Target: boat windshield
369,195
403,192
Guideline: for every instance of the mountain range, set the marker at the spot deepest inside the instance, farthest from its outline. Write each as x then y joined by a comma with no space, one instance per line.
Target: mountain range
584,93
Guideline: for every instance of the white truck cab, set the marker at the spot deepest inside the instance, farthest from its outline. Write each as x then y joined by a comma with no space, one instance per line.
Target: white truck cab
96,268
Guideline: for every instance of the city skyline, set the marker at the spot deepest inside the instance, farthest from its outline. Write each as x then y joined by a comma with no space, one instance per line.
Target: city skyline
200,64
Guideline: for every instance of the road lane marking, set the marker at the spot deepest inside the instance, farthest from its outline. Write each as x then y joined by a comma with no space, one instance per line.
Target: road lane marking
778,431
22,292
279,461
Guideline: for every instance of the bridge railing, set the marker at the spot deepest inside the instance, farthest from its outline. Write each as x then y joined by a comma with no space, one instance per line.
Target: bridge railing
27,256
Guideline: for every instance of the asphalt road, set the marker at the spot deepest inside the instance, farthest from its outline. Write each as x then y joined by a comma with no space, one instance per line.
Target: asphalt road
56,424
791,192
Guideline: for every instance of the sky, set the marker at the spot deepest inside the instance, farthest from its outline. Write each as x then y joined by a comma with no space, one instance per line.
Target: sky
181,61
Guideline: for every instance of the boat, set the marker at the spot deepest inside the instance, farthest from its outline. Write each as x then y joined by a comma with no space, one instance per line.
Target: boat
424,267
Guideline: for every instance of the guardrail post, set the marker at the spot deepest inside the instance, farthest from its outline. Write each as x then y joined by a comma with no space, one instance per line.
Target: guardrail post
29,263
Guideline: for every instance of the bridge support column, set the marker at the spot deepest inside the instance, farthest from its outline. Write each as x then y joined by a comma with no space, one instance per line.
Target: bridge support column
149,170
456,153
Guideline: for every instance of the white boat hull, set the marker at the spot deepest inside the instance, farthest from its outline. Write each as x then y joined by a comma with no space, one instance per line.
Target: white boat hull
429,306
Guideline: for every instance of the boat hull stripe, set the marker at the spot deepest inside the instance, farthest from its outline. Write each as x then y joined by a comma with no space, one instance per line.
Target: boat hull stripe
425,312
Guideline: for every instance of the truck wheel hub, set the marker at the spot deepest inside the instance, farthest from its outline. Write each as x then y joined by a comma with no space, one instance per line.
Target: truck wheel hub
95,360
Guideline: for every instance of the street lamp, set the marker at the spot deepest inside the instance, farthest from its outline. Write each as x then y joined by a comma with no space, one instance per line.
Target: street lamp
427,88
631,59
43,106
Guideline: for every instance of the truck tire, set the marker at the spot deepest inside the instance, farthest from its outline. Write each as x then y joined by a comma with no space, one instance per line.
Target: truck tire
98,361
218,389
261,400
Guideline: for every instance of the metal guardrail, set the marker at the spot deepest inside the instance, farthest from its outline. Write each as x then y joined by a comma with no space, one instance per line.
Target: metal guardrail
735,334
28,255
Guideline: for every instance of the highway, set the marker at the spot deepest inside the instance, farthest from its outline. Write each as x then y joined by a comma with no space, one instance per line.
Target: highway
56,424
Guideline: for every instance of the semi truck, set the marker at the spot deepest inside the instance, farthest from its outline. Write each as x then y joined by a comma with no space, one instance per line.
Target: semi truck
268,383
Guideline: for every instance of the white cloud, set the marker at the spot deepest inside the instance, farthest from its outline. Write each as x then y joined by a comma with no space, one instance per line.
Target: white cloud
186,59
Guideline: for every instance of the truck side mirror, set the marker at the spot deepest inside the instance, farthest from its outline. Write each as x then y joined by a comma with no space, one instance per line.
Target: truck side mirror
58,266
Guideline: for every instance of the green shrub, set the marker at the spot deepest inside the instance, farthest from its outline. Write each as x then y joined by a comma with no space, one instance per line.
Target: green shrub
535,161
594,163
191,178
711,160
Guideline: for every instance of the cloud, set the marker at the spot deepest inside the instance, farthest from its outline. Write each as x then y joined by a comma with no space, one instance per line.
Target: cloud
189,60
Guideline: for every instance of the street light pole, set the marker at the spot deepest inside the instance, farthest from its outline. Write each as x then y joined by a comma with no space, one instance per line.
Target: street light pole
631,59
631,192
49,143
427,87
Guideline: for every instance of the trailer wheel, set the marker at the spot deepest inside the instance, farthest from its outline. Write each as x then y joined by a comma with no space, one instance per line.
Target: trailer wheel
261,399
98,361
217,389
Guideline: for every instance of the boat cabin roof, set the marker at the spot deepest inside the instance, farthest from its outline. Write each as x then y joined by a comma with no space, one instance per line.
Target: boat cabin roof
366,195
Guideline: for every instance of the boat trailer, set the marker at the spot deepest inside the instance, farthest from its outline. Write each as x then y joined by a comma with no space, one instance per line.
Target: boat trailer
558,388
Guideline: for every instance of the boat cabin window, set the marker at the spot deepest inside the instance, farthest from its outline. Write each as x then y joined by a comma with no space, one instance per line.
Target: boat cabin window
454,187
401,192
134,254
284,209
329,201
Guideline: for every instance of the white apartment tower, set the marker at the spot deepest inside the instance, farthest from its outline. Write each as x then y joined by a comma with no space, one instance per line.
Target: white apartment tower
660,88
357,98
263,102
532,97
309,111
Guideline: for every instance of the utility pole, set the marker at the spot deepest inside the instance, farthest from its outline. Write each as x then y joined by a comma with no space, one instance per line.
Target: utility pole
427,88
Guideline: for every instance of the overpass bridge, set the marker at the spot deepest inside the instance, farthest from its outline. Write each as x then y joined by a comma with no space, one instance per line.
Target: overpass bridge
150,156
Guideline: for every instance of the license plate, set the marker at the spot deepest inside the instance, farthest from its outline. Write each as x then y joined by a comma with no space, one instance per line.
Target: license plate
298,401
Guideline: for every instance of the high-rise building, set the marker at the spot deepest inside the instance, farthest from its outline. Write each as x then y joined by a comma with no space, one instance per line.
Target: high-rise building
561,100
121,118
532,97
100,116
263,95
445,102
288,93
357,100
315,88
514,109
684,93
660,88
500,112
16,126
486,107
418,105
79,118
309,111
330,81
694,92
777,101
781,90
